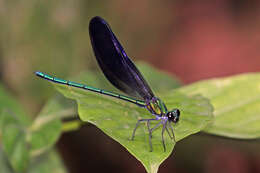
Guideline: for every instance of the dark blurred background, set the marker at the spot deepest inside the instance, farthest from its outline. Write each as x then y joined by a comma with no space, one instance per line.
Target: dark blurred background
193,39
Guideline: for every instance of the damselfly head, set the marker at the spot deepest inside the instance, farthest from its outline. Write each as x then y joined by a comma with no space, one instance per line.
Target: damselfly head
174,115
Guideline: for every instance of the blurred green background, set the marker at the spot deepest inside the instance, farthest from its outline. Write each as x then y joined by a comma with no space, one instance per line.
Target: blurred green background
193,40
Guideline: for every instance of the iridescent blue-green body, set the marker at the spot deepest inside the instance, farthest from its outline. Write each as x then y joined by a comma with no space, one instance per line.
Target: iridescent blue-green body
89,88
123,74
155,106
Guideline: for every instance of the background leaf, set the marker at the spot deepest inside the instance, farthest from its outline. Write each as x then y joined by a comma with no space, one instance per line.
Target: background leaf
23,139
47,163
117,119
47,127
8,102
236,102
4,164
14,141
160,81
13,122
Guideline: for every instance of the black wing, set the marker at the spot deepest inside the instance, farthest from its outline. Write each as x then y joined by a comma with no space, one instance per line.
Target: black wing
115,64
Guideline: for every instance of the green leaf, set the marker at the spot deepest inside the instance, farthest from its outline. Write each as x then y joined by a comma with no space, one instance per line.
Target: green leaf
118,119
13,122
4,164
8,102
160,81
236,102
47,163
47,127
23,139
14,141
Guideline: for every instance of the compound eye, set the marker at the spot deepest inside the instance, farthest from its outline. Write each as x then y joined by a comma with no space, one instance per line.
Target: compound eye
174,115
176,119
178,112
177,115
170,116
